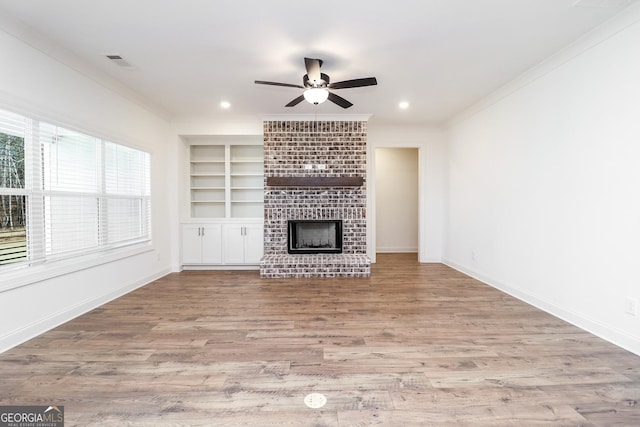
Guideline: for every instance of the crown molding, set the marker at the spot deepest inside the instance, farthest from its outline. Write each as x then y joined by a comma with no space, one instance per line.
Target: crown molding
627,18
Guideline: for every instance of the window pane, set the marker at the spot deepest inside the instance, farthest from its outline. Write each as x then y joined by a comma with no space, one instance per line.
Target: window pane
126,170
11,161
71,224
13,234
125,220
70,160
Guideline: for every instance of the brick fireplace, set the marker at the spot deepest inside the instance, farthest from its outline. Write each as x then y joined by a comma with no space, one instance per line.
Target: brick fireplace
315,171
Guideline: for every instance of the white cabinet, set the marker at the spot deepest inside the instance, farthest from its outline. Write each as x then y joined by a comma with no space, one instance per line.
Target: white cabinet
219,244
201,244
223,228
243,243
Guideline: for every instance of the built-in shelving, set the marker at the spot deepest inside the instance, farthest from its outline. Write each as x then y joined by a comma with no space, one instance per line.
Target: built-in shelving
226,180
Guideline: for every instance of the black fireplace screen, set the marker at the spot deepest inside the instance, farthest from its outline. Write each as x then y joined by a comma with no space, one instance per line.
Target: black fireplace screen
315,237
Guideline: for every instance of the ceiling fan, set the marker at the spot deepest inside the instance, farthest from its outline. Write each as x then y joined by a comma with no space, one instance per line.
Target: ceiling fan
317,85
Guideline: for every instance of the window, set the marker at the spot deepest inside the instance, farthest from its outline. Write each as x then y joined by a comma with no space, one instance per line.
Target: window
13,200
65,193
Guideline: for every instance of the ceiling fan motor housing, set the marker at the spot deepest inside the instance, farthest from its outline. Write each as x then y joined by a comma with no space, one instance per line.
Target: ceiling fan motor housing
324,81
317,87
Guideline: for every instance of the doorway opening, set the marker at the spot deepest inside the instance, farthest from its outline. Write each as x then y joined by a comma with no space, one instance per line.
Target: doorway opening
397,200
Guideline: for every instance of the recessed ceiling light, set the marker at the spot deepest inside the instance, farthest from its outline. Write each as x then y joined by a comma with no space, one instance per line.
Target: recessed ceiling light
403,105
225,104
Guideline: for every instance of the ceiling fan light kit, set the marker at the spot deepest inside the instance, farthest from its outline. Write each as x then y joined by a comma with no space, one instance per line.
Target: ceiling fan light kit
316,95
317,86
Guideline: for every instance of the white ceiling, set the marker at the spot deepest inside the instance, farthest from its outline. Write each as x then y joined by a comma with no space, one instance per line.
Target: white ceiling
188,55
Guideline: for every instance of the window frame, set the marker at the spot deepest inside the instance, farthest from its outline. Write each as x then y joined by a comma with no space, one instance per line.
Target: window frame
41,265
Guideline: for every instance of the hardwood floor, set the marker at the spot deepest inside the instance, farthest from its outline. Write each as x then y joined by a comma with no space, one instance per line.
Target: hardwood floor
412,345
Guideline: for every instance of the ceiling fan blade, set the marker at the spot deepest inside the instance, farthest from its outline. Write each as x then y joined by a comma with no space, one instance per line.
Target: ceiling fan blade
296,101
313,68
367,81
262,82
339,100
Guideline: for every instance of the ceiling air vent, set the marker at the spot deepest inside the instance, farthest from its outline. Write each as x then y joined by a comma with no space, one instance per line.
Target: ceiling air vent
119,60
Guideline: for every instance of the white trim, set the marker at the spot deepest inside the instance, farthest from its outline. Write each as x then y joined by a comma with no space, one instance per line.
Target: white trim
27,275
34,329
222,221
371,202
56,52
628,17
32,111
396,250
220,267
371,199
614,336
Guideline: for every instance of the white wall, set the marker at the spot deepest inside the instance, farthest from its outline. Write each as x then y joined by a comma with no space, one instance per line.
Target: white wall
396,200
431,144
544,183
35,84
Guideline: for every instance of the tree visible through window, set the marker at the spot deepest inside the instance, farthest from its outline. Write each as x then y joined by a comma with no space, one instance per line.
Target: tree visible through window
65,194
13,209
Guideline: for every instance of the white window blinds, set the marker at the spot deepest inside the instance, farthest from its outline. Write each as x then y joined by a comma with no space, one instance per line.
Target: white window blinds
127,202
81,194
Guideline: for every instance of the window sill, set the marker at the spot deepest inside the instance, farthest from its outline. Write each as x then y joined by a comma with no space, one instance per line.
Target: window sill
27,275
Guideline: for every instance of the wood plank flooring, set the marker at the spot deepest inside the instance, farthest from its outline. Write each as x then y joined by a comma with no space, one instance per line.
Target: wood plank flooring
413,345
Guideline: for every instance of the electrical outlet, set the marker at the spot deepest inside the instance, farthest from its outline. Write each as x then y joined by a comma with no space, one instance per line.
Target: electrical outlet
631,306
473,255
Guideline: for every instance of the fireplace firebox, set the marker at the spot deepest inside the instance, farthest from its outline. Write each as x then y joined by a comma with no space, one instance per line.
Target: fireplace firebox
315,237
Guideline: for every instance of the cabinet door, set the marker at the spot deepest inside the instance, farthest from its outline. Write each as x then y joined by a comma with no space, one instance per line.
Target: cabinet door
254,243
191,244
233,235
211,236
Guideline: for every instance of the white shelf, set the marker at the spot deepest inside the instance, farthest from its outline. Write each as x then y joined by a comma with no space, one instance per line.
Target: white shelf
210,162
226,180
209,174
207,188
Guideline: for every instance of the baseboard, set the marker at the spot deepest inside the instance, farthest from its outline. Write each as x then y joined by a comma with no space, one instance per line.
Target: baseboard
28,332
430,260
396,250
216,267
619,338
